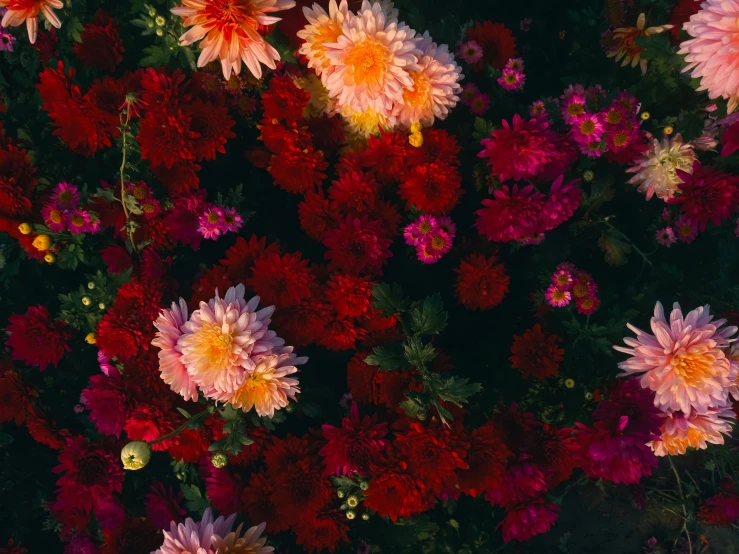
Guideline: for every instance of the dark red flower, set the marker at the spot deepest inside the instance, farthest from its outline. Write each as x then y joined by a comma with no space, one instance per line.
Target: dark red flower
720,510
511,214
182,219
13,398
223,488
302,324
358,246
707,195
12,548
212,125
301,489
341,334
527,520
432,187
277,137
353,446
283,280
388,156
316,215
439,147
42,431
350,295
257,500
328,132
134,536
481,282
107,400
321,531
37,340
164,505
497,42
13,202
681,14
535,354
117,258
46,45
297,170
147,422
394,491
101,46
189,446
15,164
180,178
283,100
166,137
486,459
353,192
730,139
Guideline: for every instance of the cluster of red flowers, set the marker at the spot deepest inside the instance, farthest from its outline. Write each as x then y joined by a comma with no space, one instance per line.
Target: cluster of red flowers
536,354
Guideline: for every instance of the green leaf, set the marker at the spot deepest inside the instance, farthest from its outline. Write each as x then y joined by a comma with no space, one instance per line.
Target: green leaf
414,408
389,357
106,194
389,299
457,390
417,353
429,318
483,129
194,499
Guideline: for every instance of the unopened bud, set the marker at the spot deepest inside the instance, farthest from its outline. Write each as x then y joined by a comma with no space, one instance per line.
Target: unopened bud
135,455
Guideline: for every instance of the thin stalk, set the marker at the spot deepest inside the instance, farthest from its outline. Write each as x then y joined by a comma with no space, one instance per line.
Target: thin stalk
207,411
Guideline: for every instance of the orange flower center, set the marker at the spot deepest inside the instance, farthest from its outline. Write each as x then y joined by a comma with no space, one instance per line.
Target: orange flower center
538,110
213,218
677,444
587,303
438,242
368,62
620,138
215,347
575,109
587,127
254,390
148,208
511,79
139,192
78,220
55,216
420,94
693,368
558,295
563,280
425,228
65,197
580,290
614,117
685,230
626,104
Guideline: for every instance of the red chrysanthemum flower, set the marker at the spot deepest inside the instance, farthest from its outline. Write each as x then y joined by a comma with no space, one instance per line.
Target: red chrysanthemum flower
13,398
349,295
301,489
707,195
497,42
181,177
13,202
212,125
82,125
283,100
439,147
681,14
353,446
387,213
37,340
11,547
164,90
107,399
560,204
46,45
511,214
302,324
242,256
340,334
486,459
133,536
321,531
165,137
189,446
164,505
525,521
555,451
44,432
101,46
388,156
358,246
316,215
328,132
297,170
257,501
182,219
15,164
432,187
277,137
481,282
536,354
354,192
282,280
223,488
147,423
720,510
393,490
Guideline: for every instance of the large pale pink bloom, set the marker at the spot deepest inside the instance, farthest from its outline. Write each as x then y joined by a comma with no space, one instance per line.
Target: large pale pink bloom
27,11
712,52
172,370
220,339
322,29
267,387
683,361
229,32
208,537
680,431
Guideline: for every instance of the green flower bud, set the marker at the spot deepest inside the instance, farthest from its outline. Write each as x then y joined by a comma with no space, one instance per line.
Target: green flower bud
351,514
365,516
135,455
219,460
352,501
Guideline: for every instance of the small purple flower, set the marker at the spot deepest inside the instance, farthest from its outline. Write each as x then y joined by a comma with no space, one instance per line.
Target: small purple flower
666,237
525,24
538,110
686,229
516,64
54,217
512,80
480,104
210,222
6,41
79,221
557,297
346,401
469,93
78,408
470,51
562,279
66,196
446,224
426,254
232,221
439,242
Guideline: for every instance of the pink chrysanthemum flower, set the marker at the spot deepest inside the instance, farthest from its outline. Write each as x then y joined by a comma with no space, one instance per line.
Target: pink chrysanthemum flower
469,93
480,104
516,64
267,387
533,239
512,79
685,229
683,362
105,366
511,214
439,242
680,432
567,266
419,230
228,31
523,522
666,237
573,106
538,110
221,338
27,11
557,297
562,279
54,217
65,196
711,53
208,536
79,221
446,224
323,28
587,305
426,255
171,369
211,222
561,202
470,51
372,60
351,448
231,221
587,128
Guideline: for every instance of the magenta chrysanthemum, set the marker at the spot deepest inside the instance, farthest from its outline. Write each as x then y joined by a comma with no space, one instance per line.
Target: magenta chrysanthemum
511,214
562,201
353,446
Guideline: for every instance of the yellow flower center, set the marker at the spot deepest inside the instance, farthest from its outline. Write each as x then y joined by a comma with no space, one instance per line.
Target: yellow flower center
694,368
575,109
587,127
65,197
254,390
587,303
563,280
420,95
580,290
368,62
675,445
55,216
78,220
148,208
620,138
215,346
626,104
685,230
558,295
438,242
425,228
213,218
471,52
538,109
614,117
139,192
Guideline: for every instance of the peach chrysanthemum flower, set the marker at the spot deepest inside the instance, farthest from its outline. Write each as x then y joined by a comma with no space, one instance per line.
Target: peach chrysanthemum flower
683,362
435,86
229,32
371,60
20,11
220,339
323,28
173,372
680,432
624,45
656,170
267,387
712,52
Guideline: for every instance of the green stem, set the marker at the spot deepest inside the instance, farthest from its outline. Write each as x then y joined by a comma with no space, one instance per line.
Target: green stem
682,498
631,242
207,411
124,132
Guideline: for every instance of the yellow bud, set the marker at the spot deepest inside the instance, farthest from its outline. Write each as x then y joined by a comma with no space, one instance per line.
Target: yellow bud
351,514
669,130
588,175
416,140
101,306
352,501
159,32
91,285
135,455
365,516
86,301
364,485
416,127
645,116
42,242
25,228
160,21
569,383
49,258
219,460
340,494
91,338
588,396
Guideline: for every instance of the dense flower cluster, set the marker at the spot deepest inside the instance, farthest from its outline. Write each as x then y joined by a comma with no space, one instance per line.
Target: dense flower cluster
432,237
571,284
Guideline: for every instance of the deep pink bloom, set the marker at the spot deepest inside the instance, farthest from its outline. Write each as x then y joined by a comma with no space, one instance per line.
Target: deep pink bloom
520,150
105,366
65,196
557,297
54,217
521,483
666,237
560,204
479,104
353,446
470,51
707,195
512,79
525,521
81,545
615,448
182,220
35,339
164,505
511,214
106,399
730,140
